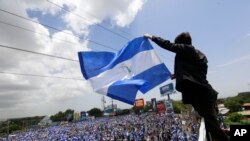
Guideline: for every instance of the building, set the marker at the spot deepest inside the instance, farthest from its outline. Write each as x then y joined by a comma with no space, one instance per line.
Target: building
246,106
246,111
223,110
246,114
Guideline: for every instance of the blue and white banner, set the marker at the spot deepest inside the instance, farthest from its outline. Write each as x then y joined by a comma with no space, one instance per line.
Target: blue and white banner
120,75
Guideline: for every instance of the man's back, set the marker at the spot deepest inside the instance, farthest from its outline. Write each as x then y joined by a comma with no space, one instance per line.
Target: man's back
190,65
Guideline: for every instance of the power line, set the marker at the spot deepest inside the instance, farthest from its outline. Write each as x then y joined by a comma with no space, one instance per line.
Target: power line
43,54
95,24
4,46
32,31
51,27
88,20
161,55
56,29
35,75
38,53
26,29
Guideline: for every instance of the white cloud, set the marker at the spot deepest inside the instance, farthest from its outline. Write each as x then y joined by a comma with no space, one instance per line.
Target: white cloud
20,94
84,13
125,18
235,61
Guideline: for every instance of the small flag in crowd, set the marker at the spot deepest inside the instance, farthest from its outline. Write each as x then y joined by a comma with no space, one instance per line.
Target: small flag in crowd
120,75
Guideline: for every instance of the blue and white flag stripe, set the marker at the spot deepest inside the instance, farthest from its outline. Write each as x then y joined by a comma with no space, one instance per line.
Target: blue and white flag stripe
107,60
135,67
130,68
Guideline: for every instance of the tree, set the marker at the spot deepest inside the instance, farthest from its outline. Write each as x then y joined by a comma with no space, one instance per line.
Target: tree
95,112
233,104
235,117
147,108
63,116
14,127
177,107
69,115
123,112
180,107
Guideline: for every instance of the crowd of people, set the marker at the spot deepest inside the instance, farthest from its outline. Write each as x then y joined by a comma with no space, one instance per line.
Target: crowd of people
144,127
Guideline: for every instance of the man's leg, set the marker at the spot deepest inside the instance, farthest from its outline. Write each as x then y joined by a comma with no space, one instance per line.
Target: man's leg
212,125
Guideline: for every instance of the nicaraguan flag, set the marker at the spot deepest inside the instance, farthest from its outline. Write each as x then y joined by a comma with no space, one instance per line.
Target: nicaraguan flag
120,75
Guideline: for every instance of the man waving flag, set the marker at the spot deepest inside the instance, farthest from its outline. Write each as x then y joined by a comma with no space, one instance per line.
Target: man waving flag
120,75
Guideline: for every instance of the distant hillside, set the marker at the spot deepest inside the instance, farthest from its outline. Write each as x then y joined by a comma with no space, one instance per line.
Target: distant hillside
242,97
244,94
235,103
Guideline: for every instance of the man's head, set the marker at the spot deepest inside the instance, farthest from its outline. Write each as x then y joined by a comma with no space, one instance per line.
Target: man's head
183,38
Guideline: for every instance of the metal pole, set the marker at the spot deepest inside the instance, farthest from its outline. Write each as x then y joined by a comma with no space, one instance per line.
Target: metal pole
112,105
8,128
103,102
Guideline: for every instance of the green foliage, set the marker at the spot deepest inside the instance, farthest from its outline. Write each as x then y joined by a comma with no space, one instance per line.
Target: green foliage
15,127
227,122
147,108
244,122
63,116
244,94
235,103
19,124
180,107
177,107
69,115
235,117
57,117
95,112
123,112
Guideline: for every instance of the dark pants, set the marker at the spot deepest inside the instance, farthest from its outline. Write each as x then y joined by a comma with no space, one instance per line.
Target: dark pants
203,99
211,122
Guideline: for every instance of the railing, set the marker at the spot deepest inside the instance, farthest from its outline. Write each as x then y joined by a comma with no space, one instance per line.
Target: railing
202,131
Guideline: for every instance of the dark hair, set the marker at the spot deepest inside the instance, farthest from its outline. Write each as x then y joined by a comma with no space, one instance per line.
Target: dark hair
183,38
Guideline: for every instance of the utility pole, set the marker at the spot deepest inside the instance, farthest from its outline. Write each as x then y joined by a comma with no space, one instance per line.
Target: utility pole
112,105
103,102
8,129
249,86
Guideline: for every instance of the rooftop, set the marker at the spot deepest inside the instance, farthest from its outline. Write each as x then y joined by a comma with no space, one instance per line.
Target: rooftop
246,104
245,113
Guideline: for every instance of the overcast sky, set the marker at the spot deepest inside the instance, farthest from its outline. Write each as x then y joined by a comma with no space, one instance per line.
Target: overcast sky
219,28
